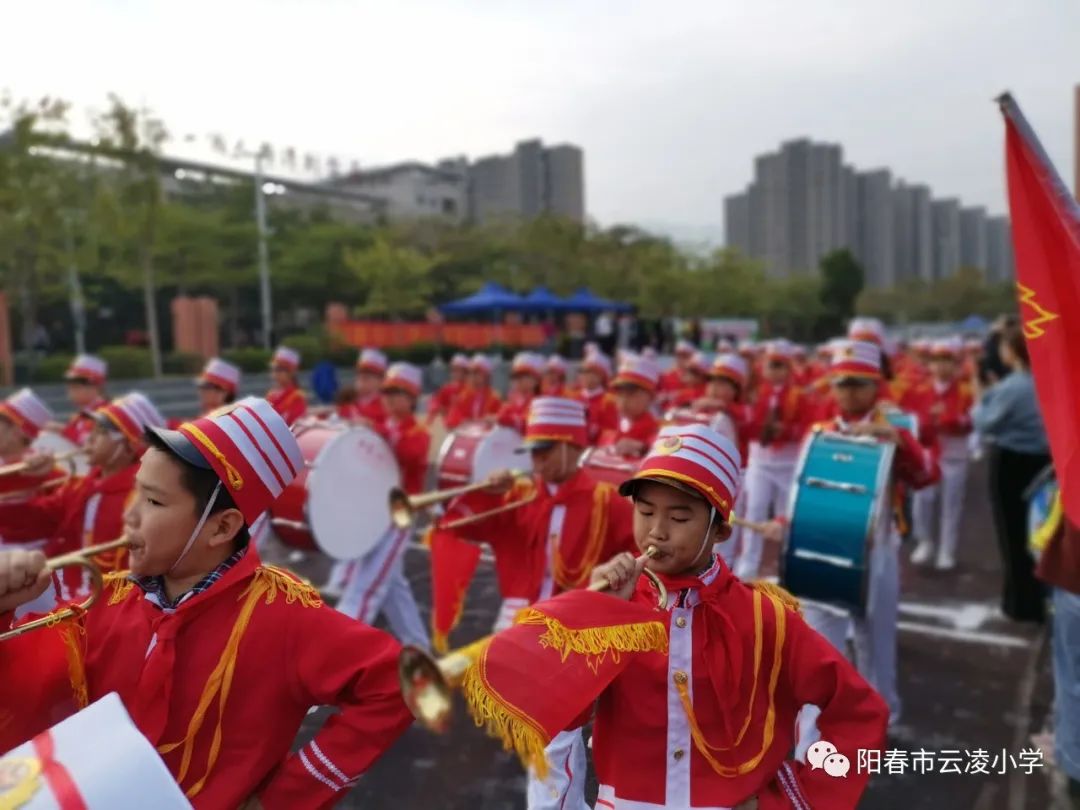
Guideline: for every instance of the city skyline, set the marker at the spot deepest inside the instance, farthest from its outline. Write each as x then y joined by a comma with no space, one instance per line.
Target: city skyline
669,102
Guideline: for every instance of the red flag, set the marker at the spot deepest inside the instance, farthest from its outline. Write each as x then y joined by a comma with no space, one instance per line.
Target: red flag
1046,243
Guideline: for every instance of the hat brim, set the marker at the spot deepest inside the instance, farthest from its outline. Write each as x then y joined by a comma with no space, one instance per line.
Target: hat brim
847,378
529,445
630,485
180,445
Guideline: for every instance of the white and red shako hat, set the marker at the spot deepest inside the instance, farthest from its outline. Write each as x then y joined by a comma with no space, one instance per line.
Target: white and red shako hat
779,350
699,363
480,362
132,415
371,360
459,360
222,374
684,347
870,330
88,367
250,448
693,457
947,347
856,358
286,358
556,419
555,364
730,367
597,361
638,370
27,412
527,363
403,377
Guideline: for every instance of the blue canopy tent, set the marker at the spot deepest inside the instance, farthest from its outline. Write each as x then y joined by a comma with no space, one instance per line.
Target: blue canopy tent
491,298
974,324
544,300
584,300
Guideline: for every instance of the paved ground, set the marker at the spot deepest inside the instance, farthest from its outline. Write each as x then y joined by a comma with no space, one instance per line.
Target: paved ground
971,681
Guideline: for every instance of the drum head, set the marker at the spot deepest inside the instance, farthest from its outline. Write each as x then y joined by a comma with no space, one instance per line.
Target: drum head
50,442
347,486
496,452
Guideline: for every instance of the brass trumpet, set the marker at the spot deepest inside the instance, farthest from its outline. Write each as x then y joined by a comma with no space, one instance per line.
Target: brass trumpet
23,466
81,558
428,683
17,495
403,507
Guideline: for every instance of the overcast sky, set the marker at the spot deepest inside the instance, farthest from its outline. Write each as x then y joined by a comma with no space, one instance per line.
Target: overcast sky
670,100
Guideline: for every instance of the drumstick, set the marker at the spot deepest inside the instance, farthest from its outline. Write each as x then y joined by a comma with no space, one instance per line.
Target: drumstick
755,526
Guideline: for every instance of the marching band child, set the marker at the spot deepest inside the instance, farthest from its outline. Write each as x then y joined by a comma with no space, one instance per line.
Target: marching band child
946,402
554,382
216,656
635,389
856,377
477,400
695,377
85,379
669,383
775,428
286,397
89,509
441,400
525,383
601,411
708,718
217,385
365,402
377,584
22,418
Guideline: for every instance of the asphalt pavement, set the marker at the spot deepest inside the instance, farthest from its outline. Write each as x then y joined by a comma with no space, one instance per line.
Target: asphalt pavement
976,689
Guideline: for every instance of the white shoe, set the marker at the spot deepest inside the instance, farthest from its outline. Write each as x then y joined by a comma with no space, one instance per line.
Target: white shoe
924,551
945,561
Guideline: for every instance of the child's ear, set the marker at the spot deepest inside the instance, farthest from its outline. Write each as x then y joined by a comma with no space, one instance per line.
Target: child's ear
227,525
722,531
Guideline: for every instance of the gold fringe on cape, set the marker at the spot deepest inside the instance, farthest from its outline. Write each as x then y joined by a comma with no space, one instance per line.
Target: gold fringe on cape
786,598
596,642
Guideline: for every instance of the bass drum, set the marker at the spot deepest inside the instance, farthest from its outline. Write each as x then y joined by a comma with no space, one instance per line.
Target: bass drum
840,491
475,450
605,465
338,504
50,442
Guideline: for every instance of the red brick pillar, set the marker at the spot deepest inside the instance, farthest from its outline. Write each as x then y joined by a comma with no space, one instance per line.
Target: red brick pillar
195,325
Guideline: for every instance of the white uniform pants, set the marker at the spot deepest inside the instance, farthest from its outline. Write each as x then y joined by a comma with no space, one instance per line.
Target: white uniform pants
377,584
875,633
729,549
950,491
564,788
768,485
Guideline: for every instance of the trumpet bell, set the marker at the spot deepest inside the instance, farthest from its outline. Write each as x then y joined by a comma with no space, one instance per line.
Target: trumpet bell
401,508
426,692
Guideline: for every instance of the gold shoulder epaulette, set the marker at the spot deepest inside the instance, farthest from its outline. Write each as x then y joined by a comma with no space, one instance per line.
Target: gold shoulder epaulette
786,598
294,587
120,586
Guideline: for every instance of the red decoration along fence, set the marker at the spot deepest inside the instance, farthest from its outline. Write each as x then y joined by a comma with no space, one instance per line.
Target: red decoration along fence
460,335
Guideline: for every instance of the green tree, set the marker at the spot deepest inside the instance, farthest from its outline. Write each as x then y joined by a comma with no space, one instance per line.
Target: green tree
841,282
396,278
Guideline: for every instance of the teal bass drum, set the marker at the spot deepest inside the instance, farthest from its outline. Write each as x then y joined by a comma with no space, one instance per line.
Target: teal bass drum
841,488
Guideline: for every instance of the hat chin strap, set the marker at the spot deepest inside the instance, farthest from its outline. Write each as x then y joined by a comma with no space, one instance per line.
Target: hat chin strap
198,527
708,531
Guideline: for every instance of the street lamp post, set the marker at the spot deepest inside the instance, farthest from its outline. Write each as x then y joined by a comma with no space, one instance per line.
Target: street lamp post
264,256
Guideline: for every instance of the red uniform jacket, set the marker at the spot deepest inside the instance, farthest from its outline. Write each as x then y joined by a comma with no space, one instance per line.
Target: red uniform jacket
245,659
290,402
370,408
441,400
598,524
601,413
514,412
644,429
786,408
686,396
80,424
411,443
947,412
82,512
746,663
472,404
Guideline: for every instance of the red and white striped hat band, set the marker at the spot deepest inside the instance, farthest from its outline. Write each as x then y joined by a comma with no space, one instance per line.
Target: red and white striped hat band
88,367
480,362
856,358
284,357
403,377
132,414
684,347
459,361
597,361
694,456
730,367
947,347
372,360
867,329
27,412
221,373
557,419
699,363
527,363
640,371
252,451
555,365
